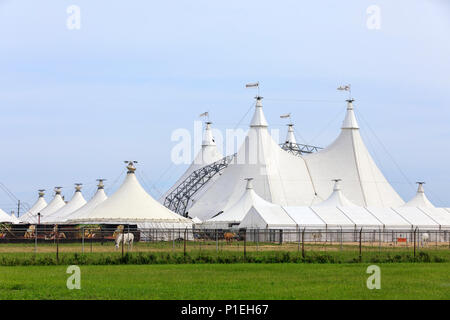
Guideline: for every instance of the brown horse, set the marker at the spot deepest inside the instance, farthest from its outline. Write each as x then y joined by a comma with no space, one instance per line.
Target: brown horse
229,236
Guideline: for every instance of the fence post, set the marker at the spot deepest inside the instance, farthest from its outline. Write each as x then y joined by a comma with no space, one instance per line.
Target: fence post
82,239
173,240
185,234
298,240
415,231
217,242
303,243
360,245
57,244
35,239
123,238
245,244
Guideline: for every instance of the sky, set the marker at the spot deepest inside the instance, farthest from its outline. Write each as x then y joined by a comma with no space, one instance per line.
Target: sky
76,103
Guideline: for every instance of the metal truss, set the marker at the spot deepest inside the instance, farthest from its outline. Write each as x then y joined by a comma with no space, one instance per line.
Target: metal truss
298,149
178,199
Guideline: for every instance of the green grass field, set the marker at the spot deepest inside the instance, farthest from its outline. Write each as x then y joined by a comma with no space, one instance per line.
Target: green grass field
228,281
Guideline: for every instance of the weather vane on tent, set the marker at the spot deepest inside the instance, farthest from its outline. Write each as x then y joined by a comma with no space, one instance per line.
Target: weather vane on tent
253,85
205,115
347,87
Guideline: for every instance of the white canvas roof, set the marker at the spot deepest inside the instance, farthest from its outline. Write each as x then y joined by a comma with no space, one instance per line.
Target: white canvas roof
75,203
54,205
361,217
85,211
196,220
337,198
333,217
439,215
132,204
208,154
305,217
4,217
347,158
416,217
268,217
290,138
279,177
236,212
389,218
31,215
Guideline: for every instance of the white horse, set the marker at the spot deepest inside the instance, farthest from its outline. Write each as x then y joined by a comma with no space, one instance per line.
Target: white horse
126,238
424,239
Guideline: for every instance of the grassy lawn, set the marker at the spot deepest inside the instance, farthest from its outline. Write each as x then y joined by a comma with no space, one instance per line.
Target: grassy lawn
234,281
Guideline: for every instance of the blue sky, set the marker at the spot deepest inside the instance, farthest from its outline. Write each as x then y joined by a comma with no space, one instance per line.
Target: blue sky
76,103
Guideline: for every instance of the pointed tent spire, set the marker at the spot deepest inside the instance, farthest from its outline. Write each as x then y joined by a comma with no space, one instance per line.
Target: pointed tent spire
337,198
100,184
85,210
290,138
420,199
258,120
350,119
132,204
31,215
54,205
249,184
130,166
208,139
74,204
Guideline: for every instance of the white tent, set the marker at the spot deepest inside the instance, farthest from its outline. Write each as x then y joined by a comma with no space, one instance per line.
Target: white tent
279,177
305,217
4,217
31,215
75,203
268,218
421,202
289,180
54,205
207,155
85,211
389,218
233,215
131,204
329,211
348,158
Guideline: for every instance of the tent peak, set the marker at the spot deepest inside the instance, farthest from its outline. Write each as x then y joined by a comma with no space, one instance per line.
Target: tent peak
58,190
291,135
258,120
350,118
420,188
337,184
41,193
208,139
78,187
249,183
100,184
130,166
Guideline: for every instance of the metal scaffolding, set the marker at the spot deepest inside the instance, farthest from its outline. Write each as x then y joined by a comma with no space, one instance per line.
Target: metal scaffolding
178,199
298,149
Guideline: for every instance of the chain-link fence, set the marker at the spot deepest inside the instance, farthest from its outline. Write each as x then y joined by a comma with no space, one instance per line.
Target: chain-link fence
129,238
